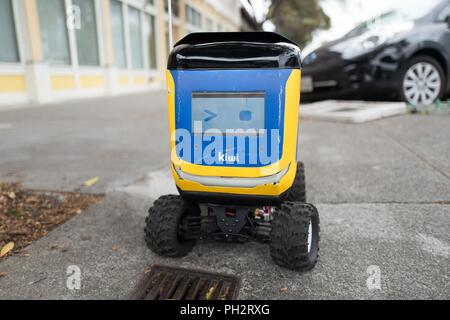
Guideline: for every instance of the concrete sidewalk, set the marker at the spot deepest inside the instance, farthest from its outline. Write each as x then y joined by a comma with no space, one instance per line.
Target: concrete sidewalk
58,146
382,189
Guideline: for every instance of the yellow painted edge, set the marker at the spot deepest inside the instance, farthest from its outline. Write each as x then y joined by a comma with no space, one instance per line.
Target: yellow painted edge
62,82
139,80
12,83
91,81
124,80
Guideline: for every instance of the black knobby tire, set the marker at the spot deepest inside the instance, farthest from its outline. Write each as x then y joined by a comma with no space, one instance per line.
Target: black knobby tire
289,236
298,189
415,60
161,227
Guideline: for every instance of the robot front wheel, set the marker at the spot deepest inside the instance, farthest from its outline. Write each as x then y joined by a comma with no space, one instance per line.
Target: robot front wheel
163,226
294,232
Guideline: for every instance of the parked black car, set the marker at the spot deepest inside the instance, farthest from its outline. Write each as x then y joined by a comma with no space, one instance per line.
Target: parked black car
403,54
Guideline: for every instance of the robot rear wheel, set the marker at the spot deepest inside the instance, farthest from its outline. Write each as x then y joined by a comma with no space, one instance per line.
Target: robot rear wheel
295,236
298,189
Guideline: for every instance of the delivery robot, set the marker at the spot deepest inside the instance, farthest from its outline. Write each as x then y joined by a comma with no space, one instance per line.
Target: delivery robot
233,102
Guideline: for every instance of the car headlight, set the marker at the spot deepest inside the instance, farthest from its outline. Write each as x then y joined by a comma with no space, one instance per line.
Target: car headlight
375,38
372,41
310,58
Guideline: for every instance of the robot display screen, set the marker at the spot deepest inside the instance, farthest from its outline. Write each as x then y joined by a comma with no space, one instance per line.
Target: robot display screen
225,111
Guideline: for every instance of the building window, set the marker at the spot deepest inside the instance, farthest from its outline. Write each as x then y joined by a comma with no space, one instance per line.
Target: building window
9,51
175,7
134,17
150,39
54,38
118,35
209,25
193,17
87,43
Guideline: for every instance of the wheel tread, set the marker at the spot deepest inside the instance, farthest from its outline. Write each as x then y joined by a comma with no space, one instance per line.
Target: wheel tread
161,227
289,236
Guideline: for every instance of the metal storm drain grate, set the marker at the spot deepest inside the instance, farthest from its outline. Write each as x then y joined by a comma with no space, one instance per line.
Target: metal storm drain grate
171,283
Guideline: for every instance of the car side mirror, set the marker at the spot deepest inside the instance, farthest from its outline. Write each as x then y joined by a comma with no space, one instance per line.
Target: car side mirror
447,19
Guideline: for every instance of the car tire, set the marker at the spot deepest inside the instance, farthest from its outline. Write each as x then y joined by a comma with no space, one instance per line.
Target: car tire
162,227
294,237
410,81
298,189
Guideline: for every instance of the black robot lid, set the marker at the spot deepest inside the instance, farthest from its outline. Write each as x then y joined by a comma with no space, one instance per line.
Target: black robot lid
234,50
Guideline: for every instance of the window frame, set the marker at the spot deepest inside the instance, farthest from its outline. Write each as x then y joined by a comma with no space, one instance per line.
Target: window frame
141,30
123,13
18,30
99,37
148,9
147,60
73,57
194,9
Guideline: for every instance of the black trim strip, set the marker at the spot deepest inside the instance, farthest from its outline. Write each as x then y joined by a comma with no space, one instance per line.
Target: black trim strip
234,50
233,199
258,94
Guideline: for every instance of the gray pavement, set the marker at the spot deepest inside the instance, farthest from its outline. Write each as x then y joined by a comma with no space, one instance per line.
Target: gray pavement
59,146
382,189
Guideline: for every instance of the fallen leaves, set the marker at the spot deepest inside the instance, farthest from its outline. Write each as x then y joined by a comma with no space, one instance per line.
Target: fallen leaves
6,248
210,293
147,270
29,215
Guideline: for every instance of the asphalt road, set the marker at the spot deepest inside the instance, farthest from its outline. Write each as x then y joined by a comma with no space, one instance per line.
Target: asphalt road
382,190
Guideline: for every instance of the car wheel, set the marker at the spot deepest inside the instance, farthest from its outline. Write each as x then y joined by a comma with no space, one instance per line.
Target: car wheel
422,81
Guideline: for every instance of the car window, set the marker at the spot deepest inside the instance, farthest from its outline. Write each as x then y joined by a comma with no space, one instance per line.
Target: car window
444,13
415,9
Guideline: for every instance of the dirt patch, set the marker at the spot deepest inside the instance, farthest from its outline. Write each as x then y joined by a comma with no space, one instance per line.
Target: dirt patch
27,215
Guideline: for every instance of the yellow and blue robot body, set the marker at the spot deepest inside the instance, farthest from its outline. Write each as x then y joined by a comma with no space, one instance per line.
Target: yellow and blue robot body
233,101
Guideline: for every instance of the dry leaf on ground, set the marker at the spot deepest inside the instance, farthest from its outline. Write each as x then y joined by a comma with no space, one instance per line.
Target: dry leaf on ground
90,182
6,248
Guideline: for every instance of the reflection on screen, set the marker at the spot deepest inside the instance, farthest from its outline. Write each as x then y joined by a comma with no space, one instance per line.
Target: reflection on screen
225,111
